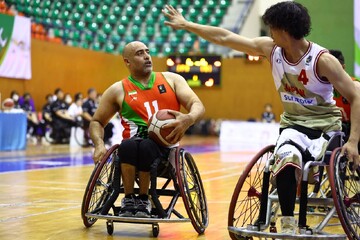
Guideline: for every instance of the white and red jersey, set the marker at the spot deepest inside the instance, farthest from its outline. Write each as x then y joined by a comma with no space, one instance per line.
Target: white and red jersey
307,99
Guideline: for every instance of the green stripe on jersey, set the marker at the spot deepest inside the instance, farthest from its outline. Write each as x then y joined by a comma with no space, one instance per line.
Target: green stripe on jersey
128,113
142,87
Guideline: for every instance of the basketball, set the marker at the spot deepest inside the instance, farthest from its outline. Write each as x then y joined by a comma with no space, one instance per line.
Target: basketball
8,104
156,124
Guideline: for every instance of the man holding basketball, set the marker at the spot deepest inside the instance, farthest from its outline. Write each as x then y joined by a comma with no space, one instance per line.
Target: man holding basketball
304,75
136,98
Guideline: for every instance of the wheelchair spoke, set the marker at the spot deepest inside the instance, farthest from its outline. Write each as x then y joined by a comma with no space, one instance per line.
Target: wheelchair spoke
245,203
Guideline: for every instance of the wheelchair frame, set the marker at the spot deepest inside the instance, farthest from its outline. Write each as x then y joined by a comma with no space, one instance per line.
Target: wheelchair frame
104,187
263,206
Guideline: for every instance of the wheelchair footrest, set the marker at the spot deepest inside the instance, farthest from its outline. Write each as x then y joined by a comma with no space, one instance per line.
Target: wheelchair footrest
246,232
137,220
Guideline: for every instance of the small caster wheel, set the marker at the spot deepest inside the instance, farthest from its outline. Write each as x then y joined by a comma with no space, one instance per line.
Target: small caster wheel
273,227
155,230
110,227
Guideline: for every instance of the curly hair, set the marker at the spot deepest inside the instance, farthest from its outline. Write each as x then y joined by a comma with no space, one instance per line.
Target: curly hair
289,16
338,54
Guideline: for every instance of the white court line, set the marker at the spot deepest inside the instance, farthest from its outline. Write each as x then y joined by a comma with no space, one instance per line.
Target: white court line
221,177
54,182
220,170
52,188
38,214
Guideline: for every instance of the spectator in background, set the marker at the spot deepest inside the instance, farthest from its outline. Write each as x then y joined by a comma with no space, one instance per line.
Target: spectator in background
89,108
62,121
32,119
46,110
68,99
14,95
341,101
268,115
46,118
98,98
75,110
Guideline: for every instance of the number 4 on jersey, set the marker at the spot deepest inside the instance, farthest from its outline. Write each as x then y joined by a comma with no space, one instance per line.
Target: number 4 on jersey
302,77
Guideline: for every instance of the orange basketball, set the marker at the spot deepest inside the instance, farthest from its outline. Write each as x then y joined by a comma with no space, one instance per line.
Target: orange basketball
8,104
156,124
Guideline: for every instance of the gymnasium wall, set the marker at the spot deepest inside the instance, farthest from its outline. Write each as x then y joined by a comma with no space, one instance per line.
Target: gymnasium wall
333,26
246,87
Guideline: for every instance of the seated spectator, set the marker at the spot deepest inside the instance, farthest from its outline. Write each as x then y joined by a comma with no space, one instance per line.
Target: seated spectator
14,95
75,110
68,99
32,119
46,110
268,115
89,108
61,120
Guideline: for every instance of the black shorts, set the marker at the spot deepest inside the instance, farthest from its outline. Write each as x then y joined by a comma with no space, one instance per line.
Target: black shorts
141,153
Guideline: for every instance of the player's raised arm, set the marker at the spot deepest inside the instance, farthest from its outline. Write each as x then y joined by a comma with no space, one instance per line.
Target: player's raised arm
254,46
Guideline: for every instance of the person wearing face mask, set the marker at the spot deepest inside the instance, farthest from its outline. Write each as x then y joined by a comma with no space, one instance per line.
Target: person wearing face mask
14,95
68,99
62,121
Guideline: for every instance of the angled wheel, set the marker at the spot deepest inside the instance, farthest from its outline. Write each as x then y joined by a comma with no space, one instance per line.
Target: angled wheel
82,136
345,188
99,186
192,190
246,199
49,134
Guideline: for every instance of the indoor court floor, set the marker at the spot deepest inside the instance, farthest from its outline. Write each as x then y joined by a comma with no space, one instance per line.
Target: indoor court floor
41,191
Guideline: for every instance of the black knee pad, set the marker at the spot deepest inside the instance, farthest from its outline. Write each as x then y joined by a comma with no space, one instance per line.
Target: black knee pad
148,152
128,151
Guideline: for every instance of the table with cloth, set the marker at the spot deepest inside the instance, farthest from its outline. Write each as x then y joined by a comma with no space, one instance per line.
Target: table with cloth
12,131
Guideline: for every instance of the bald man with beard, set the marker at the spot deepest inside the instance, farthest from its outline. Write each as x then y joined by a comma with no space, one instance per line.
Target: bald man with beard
136,98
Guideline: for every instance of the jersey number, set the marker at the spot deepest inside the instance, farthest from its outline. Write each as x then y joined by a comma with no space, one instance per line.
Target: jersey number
302,77
148,108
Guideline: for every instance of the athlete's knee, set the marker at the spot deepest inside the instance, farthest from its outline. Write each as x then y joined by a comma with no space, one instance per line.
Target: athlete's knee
148,152
128,151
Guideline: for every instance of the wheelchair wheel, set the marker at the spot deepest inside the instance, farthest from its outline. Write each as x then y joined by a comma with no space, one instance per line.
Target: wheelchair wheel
49,134
345,188
82,136
99,186
192,191
245,202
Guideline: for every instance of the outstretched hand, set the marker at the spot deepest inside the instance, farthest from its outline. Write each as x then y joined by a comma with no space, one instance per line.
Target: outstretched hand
176,20
180,125
350,150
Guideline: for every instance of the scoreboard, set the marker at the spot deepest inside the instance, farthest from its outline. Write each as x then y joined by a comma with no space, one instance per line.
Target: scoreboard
198,71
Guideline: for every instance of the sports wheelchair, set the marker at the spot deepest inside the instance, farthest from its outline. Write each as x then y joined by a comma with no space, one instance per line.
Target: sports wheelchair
181,178
254,205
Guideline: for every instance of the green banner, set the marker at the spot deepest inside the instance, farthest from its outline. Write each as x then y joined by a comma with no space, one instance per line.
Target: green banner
15,45
357,38
6,28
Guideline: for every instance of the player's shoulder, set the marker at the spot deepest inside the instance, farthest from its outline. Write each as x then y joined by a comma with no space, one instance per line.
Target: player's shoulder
327,59
115,89
172,76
